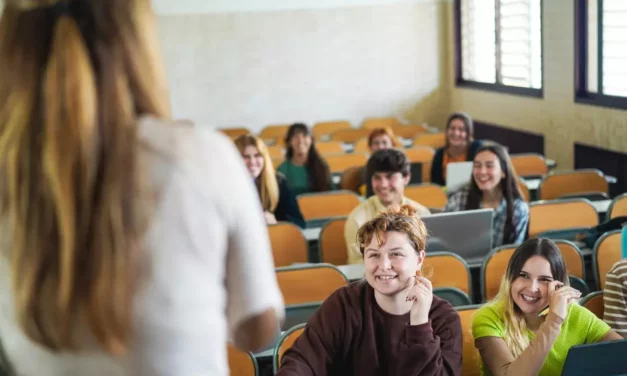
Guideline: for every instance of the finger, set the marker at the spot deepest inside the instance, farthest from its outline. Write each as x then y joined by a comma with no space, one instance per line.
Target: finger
424,281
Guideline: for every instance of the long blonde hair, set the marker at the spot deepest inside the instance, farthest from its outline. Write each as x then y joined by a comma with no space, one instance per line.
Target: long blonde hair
267,181
515,327
76,76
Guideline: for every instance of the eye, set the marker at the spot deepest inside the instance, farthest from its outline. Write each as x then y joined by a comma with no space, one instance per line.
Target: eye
523,275
373,255
397,254
546,280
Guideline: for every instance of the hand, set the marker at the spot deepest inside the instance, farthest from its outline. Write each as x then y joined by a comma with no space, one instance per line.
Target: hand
421,293
269,217
559,298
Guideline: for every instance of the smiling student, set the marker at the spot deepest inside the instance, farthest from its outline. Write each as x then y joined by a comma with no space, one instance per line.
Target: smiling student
388,324
460,146
493,185
389,171
512,333
278,202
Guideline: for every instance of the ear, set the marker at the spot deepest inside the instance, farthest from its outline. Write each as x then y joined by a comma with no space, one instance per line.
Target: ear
421,258
406,179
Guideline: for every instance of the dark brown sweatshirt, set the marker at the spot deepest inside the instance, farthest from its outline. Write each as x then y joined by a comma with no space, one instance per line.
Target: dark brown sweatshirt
351,335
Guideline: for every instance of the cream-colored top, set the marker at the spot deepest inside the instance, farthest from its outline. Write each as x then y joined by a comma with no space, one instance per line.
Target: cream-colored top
209,267
366,211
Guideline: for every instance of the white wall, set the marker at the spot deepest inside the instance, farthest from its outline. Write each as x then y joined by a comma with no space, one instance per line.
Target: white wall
257,68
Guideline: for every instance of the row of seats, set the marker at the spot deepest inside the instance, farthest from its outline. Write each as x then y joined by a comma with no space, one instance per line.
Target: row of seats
244,364
448,270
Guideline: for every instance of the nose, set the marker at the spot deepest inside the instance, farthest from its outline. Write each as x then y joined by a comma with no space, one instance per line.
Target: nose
384,262
535,286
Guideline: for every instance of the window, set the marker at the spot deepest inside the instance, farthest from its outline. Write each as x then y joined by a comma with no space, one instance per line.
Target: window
601,52
499,45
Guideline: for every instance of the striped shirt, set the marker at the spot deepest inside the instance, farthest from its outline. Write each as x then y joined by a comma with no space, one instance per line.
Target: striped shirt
615,298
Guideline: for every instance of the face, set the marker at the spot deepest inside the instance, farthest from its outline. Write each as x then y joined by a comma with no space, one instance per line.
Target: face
300,143
530,289
253,160
487,171
456,133
389,187
390,266
380,142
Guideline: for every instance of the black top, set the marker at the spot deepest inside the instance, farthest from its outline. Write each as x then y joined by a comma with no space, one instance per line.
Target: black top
437,175
287,209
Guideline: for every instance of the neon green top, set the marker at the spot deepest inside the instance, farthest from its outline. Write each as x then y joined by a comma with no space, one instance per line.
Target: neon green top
580,327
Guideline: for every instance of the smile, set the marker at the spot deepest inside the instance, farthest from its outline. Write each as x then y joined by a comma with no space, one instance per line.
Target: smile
529,299
385,277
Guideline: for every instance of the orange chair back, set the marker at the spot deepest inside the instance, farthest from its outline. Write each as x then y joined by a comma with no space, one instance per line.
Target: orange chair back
276,152
607,252
352,178
429,195
572,257
309,284
288,244
324,129
329,148
594,303
373,123
274,132
234,133
285,343
561,215
494,269
339,162
332,244
327,204
423,155
471,359
567,183
530,164
446,269
241,363
409,131
618,207
434,140
350,135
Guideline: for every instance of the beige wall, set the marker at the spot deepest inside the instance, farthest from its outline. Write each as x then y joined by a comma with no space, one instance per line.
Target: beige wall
557,116
261,67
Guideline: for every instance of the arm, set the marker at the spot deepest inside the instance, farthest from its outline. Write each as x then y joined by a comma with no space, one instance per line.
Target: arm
431,352
500,361
287,208
454,203
615,303
436,167
521,221
350,236
317,348
254,302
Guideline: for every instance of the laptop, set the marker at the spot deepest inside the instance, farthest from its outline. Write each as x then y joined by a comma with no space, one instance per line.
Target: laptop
466,233
458,174
598,359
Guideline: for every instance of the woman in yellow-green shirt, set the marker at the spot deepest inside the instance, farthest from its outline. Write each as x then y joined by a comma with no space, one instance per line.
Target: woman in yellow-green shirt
512,333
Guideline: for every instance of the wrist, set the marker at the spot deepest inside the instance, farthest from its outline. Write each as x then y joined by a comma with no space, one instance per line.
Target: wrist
418,319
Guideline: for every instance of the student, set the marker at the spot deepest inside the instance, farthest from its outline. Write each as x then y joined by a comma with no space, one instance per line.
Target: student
514,333
381,138
277,201
388,324
304,168
460,146
389,169
125,250
615,298
493,185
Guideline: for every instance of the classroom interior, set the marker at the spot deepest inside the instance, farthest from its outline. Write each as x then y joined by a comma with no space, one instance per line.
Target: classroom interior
345,67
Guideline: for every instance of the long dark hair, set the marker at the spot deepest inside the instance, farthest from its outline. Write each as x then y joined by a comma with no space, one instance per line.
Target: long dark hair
515,324
509,189
468,125
319,175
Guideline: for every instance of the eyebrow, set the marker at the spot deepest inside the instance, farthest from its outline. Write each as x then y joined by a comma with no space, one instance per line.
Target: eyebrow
542,276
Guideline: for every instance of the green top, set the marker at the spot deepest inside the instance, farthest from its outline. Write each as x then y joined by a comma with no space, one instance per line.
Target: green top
297,177
580,327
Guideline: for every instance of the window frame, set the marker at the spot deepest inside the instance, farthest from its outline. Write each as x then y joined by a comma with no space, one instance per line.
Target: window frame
496,87
582,95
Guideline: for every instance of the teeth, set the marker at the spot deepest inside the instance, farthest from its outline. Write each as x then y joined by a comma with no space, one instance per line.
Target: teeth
386,277
529,298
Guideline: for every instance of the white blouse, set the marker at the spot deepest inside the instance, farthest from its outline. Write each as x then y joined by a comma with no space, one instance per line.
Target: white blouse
209,267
